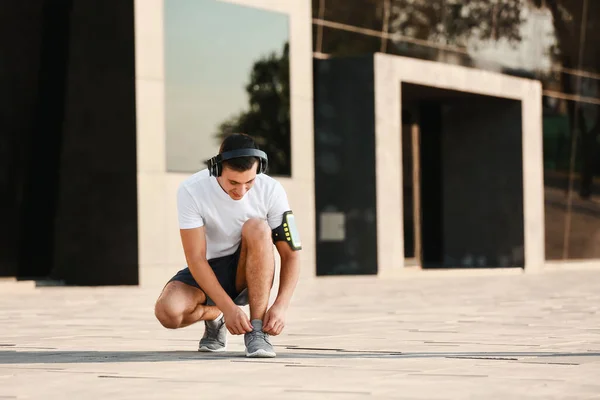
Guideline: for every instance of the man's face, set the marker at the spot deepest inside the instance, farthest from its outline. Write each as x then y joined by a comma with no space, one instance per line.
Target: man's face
235,183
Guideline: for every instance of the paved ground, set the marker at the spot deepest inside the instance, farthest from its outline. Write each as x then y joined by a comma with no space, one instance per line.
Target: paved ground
428,336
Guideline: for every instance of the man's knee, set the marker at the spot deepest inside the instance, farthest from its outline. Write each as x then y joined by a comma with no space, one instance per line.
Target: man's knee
168,314
256,229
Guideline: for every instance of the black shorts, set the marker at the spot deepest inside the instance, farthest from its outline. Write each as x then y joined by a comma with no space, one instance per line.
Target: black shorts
225,269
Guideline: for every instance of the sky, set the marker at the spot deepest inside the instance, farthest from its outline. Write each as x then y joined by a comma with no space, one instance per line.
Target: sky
210,47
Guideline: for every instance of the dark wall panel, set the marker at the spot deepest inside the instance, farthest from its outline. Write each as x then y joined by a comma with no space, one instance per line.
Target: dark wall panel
41,172
22,44
345,166
68,141
96,227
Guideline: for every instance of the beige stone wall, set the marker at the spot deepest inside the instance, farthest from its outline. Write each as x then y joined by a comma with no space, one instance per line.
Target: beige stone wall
160,254
390,71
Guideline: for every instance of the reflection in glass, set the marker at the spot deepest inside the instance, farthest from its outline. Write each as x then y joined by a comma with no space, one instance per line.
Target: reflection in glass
227,70
553,41
494,35
343,43
591,55
361,13
583,224
533,38
556,150
572,187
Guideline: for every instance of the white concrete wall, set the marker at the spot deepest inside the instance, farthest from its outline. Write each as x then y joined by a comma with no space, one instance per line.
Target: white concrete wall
390,71
160,253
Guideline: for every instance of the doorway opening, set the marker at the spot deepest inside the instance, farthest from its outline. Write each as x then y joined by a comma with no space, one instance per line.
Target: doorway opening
462,179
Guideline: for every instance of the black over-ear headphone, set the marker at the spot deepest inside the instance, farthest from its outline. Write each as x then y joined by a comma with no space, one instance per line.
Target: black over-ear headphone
215,166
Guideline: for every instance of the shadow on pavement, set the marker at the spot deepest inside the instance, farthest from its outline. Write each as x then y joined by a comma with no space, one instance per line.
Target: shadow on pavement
290,353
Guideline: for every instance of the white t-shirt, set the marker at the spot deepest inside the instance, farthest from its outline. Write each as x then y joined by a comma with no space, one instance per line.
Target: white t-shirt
202,202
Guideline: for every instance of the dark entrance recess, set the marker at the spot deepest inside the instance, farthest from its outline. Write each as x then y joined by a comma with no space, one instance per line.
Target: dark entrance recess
469,192
68,142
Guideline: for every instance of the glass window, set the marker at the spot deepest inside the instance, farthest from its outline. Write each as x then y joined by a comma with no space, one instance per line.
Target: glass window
227,70
572,134
553,41
557,156
572,179
583,224
531,38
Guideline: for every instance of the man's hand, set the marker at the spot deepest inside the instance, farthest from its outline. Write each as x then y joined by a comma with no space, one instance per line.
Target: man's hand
237,321
274,320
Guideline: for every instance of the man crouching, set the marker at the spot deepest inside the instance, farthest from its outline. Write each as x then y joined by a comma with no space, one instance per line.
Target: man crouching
230,214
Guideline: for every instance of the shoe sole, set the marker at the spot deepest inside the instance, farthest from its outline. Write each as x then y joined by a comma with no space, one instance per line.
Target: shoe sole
260,354
207,350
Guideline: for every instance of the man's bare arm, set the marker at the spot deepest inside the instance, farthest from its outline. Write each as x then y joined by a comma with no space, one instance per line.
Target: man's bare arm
274,321
194,247
290,271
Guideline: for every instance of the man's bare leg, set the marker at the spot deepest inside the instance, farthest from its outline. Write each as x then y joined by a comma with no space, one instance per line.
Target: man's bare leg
180,305
256,269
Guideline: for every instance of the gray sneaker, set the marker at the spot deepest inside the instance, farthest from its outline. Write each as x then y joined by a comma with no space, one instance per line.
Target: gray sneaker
257,342
215,336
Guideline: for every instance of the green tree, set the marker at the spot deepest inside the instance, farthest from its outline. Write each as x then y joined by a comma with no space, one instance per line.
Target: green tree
267,118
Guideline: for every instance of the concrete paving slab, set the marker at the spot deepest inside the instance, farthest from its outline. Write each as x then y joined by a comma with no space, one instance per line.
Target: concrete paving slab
448,336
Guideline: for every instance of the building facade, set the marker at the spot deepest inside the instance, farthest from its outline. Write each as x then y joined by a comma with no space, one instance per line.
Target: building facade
205,68
460,209
408,134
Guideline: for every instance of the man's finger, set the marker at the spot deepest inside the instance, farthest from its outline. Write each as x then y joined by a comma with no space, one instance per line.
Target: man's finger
266,322
272,328
247,326
238,328
272,323
279,328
